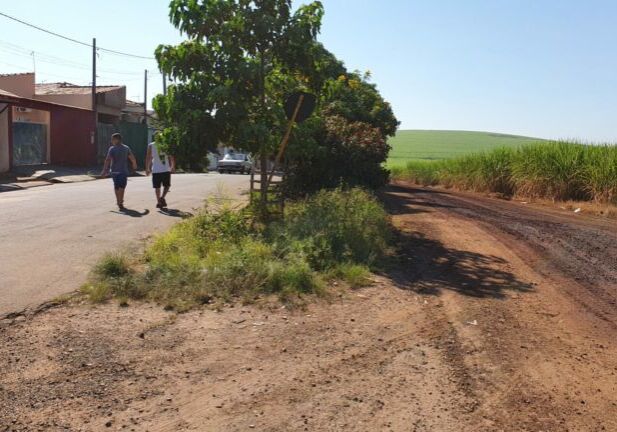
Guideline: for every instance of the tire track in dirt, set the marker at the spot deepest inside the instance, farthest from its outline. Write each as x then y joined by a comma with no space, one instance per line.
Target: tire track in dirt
581,248
544,352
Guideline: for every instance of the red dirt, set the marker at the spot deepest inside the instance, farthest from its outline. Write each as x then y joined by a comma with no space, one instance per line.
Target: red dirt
496,317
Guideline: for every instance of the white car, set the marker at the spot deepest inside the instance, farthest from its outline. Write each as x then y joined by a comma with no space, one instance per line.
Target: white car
235,163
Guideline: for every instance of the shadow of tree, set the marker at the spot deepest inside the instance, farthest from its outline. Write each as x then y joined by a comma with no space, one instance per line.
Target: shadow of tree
406,200
427,266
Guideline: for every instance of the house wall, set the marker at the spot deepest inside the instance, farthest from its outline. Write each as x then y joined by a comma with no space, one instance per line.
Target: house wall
18,84
77,100
113,98
83,101
72,137
4,138
111,111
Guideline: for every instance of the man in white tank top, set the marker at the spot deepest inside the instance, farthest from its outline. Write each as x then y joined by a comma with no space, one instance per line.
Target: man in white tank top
161,166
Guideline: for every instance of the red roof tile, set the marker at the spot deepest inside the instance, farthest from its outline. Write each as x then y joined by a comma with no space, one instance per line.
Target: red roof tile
5,93
16,74
68,88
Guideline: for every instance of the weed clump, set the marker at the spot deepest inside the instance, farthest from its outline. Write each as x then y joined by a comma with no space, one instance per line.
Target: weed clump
226,255
337,227
112,265
356,275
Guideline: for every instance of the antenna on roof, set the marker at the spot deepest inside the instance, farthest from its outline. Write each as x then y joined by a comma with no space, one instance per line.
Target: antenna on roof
33,62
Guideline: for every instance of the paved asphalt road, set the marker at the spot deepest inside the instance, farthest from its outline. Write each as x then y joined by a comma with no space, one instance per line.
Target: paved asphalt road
51,235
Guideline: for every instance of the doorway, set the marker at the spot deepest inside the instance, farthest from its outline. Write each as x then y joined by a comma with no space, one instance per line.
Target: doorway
30,136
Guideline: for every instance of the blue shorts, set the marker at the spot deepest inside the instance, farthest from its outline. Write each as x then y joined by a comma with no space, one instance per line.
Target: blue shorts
120,180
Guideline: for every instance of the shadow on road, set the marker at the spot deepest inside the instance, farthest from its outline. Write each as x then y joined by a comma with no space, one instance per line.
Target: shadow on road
401,200
132,213
428,266
175,213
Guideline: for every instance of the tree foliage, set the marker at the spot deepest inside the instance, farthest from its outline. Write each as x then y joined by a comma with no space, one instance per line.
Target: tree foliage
346,142
230,79
240,58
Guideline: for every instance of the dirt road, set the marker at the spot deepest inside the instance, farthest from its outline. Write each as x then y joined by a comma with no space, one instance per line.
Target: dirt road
497,317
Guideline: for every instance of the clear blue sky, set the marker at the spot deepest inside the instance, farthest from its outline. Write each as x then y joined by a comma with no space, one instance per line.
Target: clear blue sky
543,68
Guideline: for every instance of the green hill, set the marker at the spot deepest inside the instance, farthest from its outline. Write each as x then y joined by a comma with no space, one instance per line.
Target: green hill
435,144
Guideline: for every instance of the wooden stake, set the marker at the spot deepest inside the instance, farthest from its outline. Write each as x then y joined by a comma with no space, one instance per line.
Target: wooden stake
285,141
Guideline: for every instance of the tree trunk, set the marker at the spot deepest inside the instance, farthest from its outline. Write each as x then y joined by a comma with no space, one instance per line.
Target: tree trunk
263,156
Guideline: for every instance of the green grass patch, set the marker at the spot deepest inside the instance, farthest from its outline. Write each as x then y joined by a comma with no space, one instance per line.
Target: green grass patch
355,275
553,170
219,256
430,145
112,265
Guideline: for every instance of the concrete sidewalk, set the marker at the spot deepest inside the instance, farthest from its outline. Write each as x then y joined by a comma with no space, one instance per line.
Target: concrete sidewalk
25,177
7,185
55,174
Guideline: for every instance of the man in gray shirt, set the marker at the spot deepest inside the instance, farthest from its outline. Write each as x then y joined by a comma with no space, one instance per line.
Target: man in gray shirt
118,158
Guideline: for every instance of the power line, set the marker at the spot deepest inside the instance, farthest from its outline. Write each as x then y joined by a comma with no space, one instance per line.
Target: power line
18,50
73,40
28,69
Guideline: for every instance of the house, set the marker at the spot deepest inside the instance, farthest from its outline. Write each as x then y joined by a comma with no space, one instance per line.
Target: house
110,103
111,100
34,131
133,112
53,123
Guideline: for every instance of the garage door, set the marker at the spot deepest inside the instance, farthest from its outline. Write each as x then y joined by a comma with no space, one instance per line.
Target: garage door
29,144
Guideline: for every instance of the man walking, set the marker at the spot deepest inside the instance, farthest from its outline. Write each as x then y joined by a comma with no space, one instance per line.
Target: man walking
161,166
117,159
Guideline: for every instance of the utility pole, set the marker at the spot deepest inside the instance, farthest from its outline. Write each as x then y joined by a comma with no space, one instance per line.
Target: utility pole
94,107
146,105
164,85
146,97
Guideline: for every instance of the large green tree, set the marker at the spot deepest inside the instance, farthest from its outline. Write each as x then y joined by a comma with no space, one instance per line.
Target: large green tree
240,59
232,74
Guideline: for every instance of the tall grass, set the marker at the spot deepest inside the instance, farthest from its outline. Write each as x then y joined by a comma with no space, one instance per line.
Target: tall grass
224,255
555,170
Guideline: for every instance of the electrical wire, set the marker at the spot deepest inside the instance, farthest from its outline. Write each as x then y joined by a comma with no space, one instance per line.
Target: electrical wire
17,50
28,69
74,40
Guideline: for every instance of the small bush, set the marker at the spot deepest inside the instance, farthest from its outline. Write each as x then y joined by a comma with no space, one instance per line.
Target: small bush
97,292
112,265
294,275
337,226
237,270
356,275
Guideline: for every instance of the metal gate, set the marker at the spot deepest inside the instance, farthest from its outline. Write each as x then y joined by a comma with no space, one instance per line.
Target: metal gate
134,135
29,144
103,140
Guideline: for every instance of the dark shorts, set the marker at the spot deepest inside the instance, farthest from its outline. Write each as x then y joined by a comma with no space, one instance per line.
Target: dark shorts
159,179
120,180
